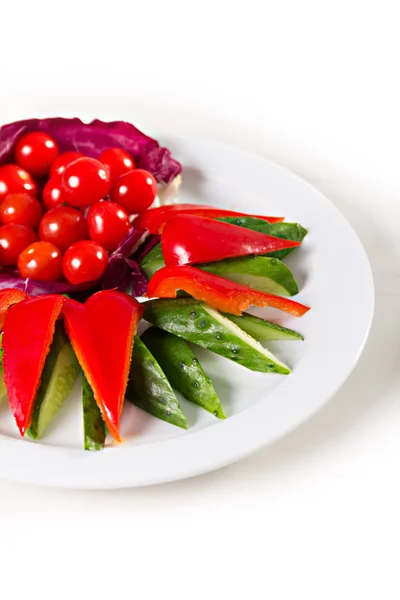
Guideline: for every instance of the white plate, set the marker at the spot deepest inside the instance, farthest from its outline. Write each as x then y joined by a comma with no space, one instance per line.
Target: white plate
335,280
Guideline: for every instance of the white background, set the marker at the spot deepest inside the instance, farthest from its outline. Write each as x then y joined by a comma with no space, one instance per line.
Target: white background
313,85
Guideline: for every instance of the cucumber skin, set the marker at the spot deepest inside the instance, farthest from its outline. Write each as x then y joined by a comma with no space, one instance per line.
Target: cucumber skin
55,386
187,318
286,231
94,428
3,391
261,329
262,273
182,369
149,389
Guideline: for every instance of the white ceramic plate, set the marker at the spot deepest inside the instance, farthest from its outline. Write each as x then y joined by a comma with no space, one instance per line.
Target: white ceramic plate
335,280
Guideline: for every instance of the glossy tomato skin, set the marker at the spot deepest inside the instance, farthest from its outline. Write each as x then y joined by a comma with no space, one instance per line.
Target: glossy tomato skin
52,193
108,224
35,152
22,209
135,191
15,180
41,261
85,182
84,261
63,226
62,160
13,240
118,161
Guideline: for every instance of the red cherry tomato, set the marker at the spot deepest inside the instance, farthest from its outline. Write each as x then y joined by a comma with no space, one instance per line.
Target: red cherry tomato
135,191
85,182
35,152
41,261
14,180
84,261
63,226
13,240
52,193
118,161
21,209
62,161
108,224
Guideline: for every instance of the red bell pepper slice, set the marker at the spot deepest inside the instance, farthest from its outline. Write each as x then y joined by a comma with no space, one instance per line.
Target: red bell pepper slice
101,333
154,219
8,297
216,291
28,332
187,239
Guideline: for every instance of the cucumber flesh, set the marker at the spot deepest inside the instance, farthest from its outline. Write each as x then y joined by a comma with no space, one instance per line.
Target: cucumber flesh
263,330
204,326
150,390
182,369
94,428
59,375
153,261
3,391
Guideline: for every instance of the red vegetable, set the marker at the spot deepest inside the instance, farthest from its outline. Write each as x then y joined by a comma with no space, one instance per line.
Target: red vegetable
218,292
84,261
187,239
85,182
135,191
63,226
28,333
13,239
154,219
35,152
52,195
118,161
101,333
62,161
14,180
8,297
108,224
22,209
41,261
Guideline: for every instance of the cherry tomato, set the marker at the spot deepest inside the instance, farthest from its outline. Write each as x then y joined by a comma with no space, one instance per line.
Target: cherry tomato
41,261
135,191
108,224
35,152
13,180
52,193
13,240
21,209
85,182
62,161
118,161
84,261
63,226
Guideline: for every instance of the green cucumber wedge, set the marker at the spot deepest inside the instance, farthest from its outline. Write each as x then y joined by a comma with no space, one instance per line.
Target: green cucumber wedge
262,273
150,390
263,330
59,375
286,231
182,369
202,325
94,428
3,391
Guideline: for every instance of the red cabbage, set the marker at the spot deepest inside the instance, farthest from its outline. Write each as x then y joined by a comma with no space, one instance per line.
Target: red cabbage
10,278
146,246
92,138
125,275
131,242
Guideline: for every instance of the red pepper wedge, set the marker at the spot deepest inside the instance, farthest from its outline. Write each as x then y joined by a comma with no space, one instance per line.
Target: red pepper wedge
8,297
188,239
222,294
101,332
154,219
27,336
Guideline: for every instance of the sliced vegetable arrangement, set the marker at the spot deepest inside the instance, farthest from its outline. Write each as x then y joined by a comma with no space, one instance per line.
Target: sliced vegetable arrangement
81,239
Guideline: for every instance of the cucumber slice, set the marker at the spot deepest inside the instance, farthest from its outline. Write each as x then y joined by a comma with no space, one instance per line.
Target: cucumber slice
182,369
286,231
59,375
263,330
204,326
149,389
3,391
94,428
259,272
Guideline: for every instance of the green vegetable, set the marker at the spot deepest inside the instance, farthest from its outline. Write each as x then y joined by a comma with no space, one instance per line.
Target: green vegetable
204,326
94,428
259,272
183,369
286,231
263,330
149,388
3,391
59,375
